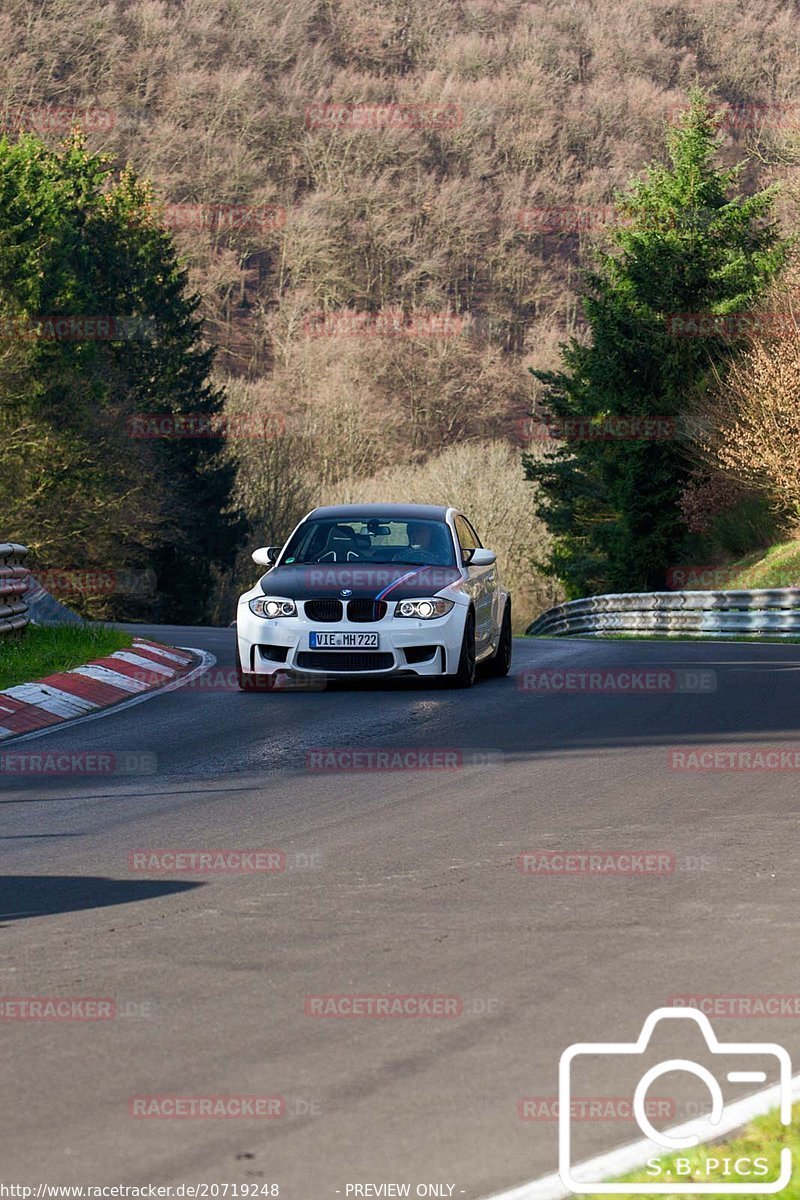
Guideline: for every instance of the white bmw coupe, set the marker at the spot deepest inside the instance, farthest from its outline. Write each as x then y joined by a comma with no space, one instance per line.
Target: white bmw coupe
375,590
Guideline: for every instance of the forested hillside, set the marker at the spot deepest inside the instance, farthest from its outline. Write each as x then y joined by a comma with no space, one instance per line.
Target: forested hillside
379,279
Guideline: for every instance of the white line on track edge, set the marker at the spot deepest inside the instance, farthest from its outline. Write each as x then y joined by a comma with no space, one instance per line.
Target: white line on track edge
628,1158
207,660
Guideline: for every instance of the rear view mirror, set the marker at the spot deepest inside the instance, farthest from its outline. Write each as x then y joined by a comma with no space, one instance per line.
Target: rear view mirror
266,555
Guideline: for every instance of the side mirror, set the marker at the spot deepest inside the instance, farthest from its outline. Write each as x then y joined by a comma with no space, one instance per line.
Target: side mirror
482,558
266,555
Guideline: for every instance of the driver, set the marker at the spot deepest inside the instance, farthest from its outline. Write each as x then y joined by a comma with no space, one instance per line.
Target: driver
422,540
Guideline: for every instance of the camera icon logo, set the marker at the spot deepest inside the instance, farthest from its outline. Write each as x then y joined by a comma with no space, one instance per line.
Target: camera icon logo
686,1136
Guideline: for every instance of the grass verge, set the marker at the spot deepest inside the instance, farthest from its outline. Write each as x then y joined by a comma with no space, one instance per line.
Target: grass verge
763,1139
40,650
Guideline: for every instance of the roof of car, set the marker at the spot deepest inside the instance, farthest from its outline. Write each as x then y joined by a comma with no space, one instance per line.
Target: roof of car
401,512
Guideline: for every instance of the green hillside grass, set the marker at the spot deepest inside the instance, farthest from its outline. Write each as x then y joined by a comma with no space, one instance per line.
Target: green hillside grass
776,567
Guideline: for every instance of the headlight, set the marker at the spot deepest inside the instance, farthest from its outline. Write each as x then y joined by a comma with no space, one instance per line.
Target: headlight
273,606
425,610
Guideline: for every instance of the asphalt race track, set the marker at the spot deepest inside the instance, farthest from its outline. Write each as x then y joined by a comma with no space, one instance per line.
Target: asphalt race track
403,882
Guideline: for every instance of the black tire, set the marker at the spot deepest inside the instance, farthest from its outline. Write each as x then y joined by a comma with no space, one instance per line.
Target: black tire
465,675
499,664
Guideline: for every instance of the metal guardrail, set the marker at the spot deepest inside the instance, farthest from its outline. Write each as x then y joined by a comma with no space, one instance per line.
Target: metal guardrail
14,576
773,612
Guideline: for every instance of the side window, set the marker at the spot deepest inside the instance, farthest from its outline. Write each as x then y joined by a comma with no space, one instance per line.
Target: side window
466,536
476,541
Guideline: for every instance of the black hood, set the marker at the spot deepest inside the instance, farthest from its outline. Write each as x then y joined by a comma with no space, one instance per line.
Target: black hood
360,581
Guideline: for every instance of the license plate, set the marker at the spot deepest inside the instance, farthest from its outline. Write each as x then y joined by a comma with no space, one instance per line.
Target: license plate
343,641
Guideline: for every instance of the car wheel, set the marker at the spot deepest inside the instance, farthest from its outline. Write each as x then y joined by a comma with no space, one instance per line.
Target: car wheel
500,663
465,675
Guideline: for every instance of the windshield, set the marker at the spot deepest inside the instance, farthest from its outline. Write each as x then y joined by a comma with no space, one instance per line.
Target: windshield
416,542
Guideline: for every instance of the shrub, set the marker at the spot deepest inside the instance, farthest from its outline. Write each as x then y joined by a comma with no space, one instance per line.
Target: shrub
751,424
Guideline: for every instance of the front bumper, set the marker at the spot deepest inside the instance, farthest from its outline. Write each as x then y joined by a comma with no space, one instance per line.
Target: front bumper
269,647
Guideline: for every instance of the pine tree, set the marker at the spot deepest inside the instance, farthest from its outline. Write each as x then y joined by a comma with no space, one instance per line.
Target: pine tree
77,240
688,243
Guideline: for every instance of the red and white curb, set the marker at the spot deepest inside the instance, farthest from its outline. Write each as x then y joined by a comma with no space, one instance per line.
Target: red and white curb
120,679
